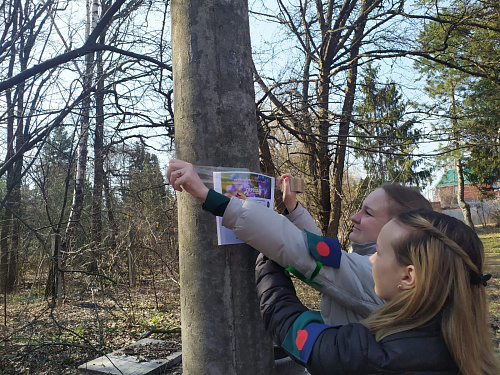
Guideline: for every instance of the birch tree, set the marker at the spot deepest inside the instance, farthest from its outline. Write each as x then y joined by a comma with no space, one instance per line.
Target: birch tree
81,164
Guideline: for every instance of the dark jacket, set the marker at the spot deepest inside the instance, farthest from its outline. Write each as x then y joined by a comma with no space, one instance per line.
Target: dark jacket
348,349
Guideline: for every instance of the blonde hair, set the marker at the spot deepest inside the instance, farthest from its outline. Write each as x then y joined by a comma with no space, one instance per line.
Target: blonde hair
443,290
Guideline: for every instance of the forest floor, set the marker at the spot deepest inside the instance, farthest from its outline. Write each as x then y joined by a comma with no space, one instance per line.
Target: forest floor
93,321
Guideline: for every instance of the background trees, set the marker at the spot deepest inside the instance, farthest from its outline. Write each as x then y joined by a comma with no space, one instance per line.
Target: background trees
385,137
57,104
313,101
87,123
290,106
461,41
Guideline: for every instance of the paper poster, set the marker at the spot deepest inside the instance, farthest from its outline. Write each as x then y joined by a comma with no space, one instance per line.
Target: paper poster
248,185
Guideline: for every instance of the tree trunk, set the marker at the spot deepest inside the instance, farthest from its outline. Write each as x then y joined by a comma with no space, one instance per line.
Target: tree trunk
322,158
54,284
7,219
81,166
132,271
6,230
222,332
338,172
113,225
5,251
464,206
266,164
15,204
96,230
21,136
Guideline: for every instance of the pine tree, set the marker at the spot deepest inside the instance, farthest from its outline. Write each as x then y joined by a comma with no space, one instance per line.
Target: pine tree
384,138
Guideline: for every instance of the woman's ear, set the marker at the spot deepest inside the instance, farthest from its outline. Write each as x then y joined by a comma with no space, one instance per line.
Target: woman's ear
409,278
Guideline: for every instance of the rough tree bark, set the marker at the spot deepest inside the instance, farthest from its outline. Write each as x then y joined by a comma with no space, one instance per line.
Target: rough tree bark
215,122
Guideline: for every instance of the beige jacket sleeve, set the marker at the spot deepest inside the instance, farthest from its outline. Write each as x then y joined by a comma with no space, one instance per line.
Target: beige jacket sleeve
303,220
281,240
270,233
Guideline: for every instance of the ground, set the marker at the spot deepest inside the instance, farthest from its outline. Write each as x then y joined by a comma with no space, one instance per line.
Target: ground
36,339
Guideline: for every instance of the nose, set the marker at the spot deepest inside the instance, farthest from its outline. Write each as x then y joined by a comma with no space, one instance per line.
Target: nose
372,258
355,217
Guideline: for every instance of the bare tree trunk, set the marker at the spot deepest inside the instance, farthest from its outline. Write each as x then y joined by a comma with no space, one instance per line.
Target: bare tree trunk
266,164
7,219
464,206
15,203
54,287
132,271
21,136
109,210
338,172
5,252
6,230
81,167
222,332
96,230
322,159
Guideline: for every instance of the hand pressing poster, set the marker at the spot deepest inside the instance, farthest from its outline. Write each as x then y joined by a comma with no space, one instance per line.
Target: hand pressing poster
244,185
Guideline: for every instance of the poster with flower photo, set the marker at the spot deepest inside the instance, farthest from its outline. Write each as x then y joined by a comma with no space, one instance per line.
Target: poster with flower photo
243,185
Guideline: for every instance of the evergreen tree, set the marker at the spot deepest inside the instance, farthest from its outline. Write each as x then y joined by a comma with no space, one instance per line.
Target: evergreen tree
147,217
483,160
54,174
385,138
464,40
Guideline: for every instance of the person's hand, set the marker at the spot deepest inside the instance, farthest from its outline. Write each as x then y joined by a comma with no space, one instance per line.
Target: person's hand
289,197
182,175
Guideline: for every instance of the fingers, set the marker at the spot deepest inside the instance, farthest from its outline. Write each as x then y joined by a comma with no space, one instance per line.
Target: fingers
283,177
289,197
284,182
177,171
183,177
178,179
285,185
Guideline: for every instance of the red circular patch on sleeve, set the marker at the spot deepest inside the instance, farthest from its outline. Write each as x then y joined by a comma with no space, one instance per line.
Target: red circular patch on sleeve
301,338
323,249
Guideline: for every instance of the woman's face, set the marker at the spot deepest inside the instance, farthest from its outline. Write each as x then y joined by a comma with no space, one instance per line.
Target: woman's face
388,273
372,216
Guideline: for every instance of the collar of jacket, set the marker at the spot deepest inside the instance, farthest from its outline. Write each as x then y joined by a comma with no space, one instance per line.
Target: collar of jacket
366,248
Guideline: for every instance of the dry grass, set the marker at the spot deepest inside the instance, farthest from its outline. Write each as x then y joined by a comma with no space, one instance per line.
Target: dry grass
91,322
40,340
491,239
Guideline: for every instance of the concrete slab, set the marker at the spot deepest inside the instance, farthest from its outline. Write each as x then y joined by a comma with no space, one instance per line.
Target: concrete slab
135,359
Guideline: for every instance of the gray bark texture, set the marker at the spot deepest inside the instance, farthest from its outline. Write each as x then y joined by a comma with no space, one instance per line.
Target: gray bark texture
215,125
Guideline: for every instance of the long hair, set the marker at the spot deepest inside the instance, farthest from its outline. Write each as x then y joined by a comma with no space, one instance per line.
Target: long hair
448,258
404,199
